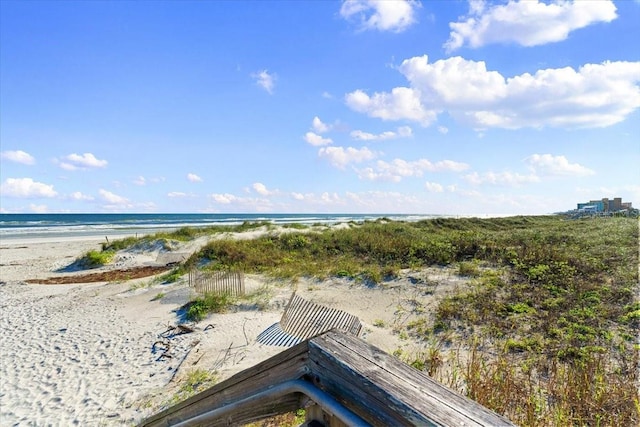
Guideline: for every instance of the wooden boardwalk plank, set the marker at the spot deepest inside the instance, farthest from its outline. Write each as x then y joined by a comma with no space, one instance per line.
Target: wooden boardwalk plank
400,394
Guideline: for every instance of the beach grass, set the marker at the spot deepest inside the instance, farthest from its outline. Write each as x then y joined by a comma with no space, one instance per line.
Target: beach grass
195,380
210,302
94,259
546,333
550,320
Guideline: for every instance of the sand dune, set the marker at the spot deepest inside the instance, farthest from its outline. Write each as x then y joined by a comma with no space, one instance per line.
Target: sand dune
85,354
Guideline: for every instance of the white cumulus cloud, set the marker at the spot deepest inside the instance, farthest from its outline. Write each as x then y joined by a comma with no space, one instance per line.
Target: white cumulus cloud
318,126
246,204
176,194
112,198
18,156
26,188
77,195
501,178
141,181
595,95
261,189
398,169
401,103
547,164
224,199
454,82
401,132
382,15
341,157
433,187
84,161
448,166
193,177
265,80
317,140
527,23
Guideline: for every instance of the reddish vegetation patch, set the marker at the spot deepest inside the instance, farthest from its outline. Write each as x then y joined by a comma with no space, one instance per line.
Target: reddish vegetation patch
103,276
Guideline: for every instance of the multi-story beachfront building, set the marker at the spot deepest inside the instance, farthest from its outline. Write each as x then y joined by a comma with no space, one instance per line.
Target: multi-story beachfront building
605,205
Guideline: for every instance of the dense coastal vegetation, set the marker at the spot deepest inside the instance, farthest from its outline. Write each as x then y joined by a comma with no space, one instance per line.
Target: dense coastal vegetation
547,331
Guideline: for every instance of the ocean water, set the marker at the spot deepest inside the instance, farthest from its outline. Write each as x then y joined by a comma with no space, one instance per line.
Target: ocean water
24,226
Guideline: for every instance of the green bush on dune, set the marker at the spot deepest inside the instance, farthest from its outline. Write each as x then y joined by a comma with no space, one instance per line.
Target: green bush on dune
200,307
94,259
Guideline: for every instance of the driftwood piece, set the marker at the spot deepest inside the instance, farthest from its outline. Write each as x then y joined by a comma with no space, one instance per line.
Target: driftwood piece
164,355
184,329
177,369
173,331
166,345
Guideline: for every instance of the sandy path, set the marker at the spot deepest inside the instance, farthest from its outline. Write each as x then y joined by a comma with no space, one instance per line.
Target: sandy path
84,354
70,357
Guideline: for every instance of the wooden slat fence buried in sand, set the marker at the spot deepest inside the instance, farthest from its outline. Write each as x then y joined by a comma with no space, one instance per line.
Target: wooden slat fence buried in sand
304,319
221,281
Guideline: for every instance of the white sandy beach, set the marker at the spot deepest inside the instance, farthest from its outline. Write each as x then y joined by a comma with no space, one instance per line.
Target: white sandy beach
83,354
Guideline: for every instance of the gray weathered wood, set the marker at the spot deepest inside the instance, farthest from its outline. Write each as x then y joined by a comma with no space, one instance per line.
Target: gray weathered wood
384,391
221,281
368,382
304,319
290,364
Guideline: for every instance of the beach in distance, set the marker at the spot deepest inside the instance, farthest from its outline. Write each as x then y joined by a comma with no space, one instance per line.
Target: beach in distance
99,333
92,225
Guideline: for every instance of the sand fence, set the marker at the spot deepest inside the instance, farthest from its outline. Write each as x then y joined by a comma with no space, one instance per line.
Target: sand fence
304,319
301,319
220,281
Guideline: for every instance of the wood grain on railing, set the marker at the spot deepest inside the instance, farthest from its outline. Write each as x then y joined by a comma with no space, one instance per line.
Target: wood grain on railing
370,386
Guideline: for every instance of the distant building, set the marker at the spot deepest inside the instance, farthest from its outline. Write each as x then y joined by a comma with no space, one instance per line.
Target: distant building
604,206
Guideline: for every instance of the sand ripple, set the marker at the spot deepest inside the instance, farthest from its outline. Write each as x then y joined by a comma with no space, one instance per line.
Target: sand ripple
69,357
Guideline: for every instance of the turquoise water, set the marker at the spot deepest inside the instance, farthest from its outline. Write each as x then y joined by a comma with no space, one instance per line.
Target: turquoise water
14,226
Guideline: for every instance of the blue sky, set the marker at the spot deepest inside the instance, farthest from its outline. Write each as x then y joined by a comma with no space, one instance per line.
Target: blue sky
432,107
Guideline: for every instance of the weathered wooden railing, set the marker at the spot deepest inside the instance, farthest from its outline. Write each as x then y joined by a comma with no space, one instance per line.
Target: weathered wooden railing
220,281
340,380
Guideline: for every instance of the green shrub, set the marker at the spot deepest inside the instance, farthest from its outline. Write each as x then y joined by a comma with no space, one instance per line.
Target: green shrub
209,303
94,259
468,269
185,233
520,308
195,381
173,276
158,296
118,245
293,241
296,226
